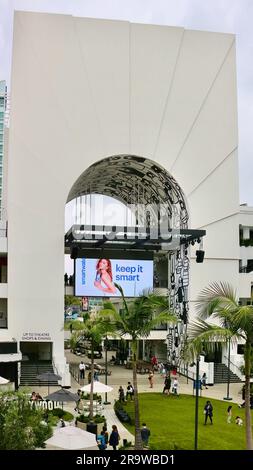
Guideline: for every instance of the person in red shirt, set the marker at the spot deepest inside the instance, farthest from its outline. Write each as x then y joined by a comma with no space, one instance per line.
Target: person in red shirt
154,362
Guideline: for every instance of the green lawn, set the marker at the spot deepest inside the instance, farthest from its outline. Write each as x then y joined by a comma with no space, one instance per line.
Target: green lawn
171,422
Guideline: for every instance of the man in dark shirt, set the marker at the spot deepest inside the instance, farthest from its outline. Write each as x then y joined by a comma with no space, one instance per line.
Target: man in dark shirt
130,391
145,433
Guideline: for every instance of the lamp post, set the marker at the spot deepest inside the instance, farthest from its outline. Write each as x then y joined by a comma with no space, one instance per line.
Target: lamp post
106,370
228,381
196,405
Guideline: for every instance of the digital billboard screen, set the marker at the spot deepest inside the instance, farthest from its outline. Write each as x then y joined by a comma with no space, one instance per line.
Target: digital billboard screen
96,277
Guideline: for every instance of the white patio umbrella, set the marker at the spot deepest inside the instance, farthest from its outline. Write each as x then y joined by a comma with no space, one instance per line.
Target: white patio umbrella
3,381
98,387
72,438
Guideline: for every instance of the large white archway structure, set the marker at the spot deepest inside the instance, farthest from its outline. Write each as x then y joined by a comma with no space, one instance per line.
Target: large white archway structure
85,89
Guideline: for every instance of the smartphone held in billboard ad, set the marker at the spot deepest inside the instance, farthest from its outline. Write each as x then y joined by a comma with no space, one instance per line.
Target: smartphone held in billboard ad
97,277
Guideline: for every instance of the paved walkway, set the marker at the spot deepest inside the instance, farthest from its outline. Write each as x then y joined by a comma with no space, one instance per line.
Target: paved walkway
120,376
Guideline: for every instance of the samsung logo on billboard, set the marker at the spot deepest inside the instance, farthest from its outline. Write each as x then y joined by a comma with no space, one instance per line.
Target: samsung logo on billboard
83,271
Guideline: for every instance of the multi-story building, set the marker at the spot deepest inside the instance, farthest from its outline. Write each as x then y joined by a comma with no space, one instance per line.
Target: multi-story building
3,99
152,117
9,356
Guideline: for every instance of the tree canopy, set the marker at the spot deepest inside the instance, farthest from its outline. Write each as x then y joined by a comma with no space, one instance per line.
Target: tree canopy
22,425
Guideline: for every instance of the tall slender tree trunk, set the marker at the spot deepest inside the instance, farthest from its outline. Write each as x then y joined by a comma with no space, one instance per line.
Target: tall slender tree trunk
247,357
138,440
92,381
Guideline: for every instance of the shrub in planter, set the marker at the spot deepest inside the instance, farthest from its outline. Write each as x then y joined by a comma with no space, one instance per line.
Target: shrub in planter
57,412
99,419
82,419
121,412
61,414
67,416
85,419
96,397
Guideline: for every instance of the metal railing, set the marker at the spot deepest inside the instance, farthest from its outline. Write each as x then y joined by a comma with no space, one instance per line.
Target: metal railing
235,367
74,371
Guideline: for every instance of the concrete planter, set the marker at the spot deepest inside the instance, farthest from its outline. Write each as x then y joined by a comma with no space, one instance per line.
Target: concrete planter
84,426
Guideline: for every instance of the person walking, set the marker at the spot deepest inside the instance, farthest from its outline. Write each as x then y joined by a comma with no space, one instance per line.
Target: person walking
105,434
151,379
96,376
154,362
229,412
121,394
208,411
145,433
79,393
175,387
101,442
203,381
114,437
82,370
130,391
167,385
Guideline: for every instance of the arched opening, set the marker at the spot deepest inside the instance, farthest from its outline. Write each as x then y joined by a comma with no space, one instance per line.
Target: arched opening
133,180
128,207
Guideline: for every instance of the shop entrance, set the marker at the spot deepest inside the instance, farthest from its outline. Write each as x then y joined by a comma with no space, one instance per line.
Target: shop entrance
35,351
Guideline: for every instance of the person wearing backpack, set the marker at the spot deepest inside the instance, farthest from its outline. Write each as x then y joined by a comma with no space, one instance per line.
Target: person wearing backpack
130,391
101,441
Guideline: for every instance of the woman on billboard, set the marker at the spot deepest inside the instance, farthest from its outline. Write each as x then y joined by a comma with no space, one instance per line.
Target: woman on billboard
103,279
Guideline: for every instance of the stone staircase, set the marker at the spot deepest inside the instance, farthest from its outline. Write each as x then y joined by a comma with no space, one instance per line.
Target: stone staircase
30,370
221,375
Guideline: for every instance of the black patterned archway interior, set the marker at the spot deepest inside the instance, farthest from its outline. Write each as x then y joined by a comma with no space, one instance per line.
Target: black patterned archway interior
134,180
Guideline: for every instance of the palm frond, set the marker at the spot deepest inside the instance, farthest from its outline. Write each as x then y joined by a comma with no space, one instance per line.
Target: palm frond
204,336
107,305
219,295
243,320
145,329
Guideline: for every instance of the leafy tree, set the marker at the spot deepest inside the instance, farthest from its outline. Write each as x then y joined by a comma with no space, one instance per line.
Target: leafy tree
75,325
137,319
21,425
235,322
72,300
74,339
95,328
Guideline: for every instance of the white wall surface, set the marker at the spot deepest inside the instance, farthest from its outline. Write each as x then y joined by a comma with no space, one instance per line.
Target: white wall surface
84,89
245,283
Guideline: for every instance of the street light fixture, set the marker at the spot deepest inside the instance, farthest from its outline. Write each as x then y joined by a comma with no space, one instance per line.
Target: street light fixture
228,380
106,369
196,406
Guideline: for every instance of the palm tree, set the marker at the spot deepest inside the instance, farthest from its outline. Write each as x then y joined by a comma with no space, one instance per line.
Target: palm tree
136,320
235,321
95,328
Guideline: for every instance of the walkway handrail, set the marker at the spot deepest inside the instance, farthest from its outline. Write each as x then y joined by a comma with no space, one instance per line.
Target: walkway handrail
189,374
237,367
74,371
54,367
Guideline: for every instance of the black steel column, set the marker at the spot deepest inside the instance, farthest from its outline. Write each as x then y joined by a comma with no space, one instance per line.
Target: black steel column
196,406
106,370
228,379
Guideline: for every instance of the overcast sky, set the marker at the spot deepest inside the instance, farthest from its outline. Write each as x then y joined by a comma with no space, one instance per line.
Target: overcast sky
228,16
